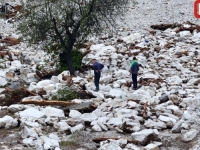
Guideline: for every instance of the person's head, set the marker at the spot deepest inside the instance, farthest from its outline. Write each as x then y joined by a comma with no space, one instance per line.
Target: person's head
93,61
134,58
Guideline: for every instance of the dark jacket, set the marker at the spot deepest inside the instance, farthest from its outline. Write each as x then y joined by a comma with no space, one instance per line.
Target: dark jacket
134,67
98,66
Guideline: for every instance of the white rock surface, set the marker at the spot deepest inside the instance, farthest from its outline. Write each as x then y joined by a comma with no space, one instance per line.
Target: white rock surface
50,111
3,81
74,114
27,132
62,126
16,107
142,135
88,117
31,112
8,122
190,135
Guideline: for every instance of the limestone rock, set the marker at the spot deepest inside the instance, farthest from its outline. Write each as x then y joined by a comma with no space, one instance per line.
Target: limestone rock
31,112
8,122
145,135
74,114
51,111
190,135
27,132
16,107
88,117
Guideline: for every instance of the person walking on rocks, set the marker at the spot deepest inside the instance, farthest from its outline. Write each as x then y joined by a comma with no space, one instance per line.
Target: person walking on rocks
134,68
97,72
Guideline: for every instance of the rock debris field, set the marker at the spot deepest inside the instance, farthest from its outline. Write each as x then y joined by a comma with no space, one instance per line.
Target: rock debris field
164,114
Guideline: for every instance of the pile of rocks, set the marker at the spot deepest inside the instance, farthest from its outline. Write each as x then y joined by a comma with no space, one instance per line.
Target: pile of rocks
166,107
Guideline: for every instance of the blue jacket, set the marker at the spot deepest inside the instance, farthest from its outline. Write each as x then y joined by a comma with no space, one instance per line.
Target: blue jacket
98,66
134,67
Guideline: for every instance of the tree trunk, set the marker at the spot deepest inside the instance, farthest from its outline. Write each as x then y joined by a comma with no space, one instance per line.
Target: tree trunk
66,59
70,63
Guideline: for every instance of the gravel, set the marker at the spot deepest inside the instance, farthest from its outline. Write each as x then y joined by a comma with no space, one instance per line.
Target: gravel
150,12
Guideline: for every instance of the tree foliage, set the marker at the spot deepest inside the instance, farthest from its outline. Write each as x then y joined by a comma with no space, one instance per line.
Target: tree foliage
68,21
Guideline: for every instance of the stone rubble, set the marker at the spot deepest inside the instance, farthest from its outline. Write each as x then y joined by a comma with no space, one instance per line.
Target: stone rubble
169,75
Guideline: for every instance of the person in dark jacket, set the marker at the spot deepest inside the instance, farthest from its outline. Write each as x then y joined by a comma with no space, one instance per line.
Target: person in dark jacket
97,72
134,68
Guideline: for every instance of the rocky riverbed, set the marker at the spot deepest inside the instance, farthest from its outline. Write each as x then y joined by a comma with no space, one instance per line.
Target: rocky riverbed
162,114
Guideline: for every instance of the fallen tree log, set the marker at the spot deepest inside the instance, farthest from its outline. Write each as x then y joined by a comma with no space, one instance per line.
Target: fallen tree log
191,29
10,41
44,103
98,140
164,26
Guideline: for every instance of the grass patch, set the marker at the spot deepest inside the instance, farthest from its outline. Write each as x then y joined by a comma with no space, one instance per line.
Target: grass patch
65,94
2,15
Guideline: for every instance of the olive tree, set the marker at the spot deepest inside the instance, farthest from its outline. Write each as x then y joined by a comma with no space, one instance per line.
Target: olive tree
68,22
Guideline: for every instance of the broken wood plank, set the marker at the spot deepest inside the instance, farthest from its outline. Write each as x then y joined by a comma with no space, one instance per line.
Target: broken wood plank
44,102
98,140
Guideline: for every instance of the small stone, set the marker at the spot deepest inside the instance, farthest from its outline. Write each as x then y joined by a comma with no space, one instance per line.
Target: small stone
151,147
190,135
164,98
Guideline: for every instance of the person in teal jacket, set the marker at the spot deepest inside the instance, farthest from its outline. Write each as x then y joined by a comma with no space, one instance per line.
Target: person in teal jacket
134,68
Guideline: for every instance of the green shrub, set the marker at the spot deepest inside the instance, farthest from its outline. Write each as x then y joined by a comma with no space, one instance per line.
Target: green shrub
64,94
76,60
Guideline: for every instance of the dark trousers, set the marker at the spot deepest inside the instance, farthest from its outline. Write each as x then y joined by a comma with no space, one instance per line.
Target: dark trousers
134,78
96,80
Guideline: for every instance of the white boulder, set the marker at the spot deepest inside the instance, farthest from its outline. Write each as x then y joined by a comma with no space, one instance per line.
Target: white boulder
74,114
8,122
31,112
141,136
190,135
51,111
49,143
131,38
78,127
167,119
27,132
185,33
16,107
28,142
61,126
174,80
88,117
3,81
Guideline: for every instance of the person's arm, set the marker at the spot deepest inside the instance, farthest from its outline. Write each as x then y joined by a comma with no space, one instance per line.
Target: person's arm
96,67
